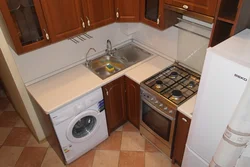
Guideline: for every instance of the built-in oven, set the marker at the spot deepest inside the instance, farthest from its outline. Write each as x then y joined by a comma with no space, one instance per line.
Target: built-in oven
157,121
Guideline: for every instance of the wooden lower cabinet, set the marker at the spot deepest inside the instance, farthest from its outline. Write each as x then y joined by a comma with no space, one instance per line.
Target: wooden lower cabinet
115,103
133,102
182,129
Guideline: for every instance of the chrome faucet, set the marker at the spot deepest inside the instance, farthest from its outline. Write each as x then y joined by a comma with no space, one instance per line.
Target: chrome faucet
109,49
87,61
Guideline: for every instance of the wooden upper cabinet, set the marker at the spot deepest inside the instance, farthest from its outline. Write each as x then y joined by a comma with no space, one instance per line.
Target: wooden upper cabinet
98,12
206,7
115,103
26,24
152,13
127,10
133,102
64,18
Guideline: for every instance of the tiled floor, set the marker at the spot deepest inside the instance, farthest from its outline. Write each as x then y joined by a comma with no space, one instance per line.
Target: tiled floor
124,148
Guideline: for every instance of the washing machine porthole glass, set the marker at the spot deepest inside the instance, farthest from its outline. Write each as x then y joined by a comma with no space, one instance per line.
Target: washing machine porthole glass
84,126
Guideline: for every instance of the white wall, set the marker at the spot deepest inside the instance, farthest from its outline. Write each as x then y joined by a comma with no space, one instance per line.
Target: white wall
43,61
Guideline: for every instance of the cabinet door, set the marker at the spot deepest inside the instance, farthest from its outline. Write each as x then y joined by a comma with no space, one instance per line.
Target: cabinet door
133,102
206,7
64,18
127,10
98,12
152,13
182,129
26,24
114,97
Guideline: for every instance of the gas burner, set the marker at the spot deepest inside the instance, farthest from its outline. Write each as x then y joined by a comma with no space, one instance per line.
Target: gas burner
173,75
158,84
191,84
177,94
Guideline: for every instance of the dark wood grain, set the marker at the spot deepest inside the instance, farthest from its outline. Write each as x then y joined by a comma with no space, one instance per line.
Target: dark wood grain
99,12
115,103
180,140
133,102
63,18
129,10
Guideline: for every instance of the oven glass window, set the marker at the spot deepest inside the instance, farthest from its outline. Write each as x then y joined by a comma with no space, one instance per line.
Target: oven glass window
156,122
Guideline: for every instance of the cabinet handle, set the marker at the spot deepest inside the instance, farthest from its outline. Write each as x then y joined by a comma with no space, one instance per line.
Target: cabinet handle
88,21
107,92
46,34
185,6
117,13
83,23
158,20
184,119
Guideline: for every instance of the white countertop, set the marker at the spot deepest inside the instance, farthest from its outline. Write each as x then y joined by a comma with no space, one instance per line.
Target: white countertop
188,107
60,89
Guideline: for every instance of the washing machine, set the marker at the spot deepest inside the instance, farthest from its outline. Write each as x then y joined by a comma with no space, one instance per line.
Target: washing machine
81,125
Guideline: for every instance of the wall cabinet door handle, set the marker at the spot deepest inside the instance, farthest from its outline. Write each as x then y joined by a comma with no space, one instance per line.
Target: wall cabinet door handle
117,13
46,34
158,20
83,23
184,119
185,6
88,21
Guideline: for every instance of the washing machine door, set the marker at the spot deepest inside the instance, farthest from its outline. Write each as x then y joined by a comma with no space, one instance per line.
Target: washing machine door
83,126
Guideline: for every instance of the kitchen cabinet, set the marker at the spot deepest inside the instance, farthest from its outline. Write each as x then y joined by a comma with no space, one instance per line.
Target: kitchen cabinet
115,103
25,22
64,18
152,13
133,102
182,129
98,12
127,10
206,7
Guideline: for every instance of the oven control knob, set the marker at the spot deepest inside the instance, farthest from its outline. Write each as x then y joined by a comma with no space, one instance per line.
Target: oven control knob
156,102
166,108
170,112
161,105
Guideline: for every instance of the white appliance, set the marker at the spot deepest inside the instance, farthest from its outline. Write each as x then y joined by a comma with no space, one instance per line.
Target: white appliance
81,125
224,79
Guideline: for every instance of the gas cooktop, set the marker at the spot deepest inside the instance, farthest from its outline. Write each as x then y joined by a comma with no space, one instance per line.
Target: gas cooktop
176,84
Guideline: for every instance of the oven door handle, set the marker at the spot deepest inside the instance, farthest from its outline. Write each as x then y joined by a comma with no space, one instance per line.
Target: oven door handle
159,111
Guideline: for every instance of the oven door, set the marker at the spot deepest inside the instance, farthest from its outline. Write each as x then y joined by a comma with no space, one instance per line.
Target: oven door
157,122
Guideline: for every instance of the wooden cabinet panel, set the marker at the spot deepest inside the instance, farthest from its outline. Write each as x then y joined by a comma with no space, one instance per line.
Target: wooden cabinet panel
206,7
182,129
114,97
133,102
152,13
26,24
63,18
127,10
98,12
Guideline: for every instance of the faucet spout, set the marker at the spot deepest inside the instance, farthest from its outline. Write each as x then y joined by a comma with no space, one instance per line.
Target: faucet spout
109,47
87,61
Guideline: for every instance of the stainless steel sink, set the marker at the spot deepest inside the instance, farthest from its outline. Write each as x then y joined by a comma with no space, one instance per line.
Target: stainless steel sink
121,59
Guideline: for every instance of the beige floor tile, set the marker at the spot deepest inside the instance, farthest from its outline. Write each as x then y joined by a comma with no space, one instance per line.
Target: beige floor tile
131,159
150,147
20,123
112,143
51,159
4,132
132,141
157,159
105,158
8,119
129,127
85,160
34,143
18,137
119,129
9,155
9,107
31,157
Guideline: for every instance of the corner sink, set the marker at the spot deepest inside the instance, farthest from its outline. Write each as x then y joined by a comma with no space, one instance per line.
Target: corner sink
121,59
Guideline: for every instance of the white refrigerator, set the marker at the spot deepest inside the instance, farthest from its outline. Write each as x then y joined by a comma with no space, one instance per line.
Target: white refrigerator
225,74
